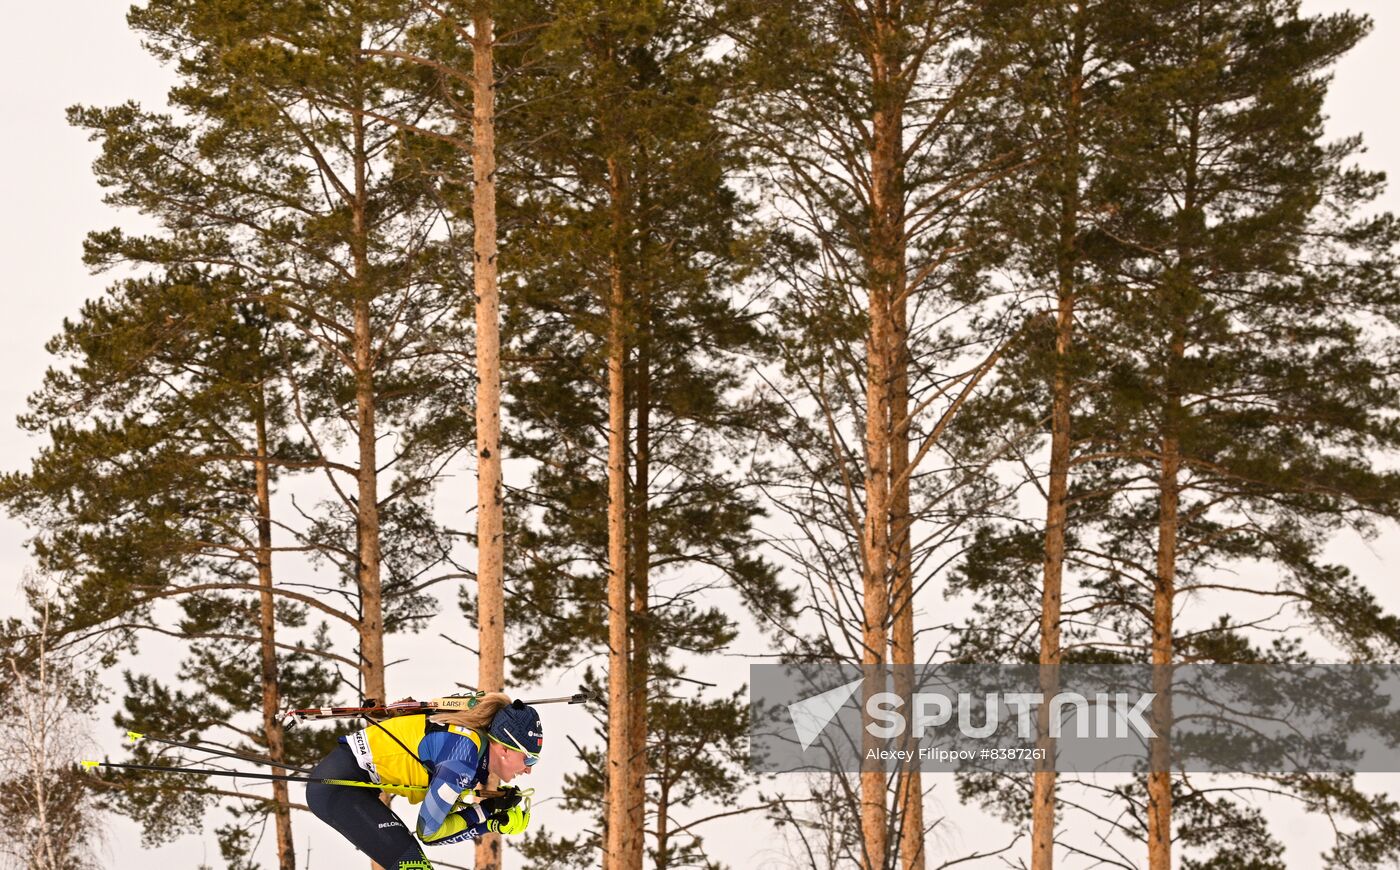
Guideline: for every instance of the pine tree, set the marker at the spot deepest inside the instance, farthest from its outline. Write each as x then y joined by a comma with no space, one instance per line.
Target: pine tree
624,280
1281,263
168,432
1250,298
287,175
1069,106
864,113
490,535
280,194
455,44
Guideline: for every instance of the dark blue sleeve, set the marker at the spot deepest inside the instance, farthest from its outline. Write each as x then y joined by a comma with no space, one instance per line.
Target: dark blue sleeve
454,772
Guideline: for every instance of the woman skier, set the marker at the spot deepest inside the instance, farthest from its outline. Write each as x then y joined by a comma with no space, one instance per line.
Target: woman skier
450,753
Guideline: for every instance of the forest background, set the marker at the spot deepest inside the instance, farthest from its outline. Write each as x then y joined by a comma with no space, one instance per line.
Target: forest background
88,55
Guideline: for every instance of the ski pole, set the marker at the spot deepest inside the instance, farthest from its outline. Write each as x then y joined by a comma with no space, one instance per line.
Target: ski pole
243,774
410,707
137,737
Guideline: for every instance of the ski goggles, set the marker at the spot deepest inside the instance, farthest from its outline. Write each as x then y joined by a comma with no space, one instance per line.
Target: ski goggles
531,759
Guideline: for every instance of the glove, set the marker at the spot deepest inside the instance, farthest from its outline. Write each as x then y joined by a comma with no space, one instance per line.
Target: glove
493,805
509,821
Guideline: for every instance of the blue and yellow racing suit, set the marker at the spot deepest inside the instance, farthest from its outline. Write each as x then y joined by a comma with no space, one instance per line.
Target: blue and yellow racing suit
448,759
407,750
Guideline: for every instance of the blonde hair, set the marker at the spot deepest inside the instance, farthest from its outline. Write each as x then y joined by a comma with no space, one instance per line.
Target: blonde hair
478,718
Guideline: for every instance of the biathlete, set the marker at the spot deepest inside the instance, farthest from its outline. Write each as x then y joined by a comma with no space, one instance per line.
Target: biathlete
450,753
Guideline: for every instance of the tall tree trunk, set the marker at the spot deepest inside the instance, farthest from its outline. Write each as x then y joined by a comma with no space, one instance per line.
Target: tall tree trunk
909,791
874,816
641,568
1043,798
371,626
1057,496
490,573
1159,778
1175,305
887,233
663,811
267,628
623,823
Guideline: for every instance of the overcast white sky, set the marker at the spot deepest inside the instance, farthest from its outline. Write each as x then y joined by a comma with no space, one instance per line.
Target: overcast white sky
79,51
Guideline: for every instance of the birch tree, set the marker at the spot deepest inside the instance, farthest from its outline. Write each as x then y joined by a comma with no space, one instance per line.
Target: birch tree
50,815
